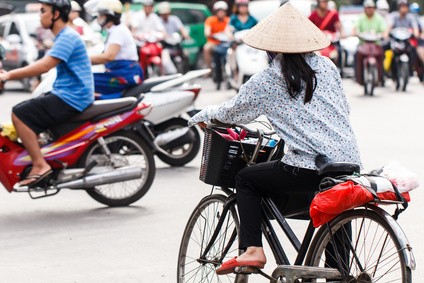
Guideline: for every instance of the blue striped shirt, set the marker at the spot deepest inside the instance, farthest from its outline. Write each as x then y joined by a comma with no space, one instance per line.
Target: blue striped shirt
74,83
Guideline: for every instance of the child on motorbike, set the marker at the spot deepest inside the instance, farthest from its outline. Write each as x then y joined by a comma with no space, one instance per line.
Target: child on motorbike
72,91
302,96
120,55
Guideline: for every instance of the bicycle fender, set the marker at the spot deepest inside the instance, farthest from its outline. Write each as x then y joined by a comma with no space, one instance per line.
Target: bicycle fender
406,248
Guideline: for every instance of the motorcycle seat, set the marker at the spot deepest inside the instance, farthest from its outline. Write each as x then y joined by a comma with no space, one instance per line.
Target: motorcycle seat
147,85
100,107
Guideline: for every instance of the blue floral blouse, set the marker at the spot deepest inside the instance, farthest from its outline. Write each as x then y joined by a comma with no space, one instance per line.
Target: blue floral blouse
320,126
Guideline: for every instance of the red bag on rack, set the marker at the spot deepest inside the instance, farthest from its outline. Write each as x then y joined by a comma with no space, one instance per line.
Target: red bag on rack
327,204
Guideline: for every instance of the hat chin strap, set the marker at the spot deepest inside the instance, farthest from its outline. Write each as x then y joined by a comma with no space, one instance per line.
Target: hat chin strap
53,19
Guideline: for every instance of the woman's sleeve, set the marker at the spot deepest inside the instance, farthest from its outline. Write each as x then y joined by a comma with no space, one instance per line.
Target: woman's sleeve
246,106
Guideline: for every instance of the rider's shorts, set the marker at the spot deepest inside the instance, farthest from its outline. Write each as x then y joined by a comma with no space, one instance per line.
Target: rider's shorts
44,112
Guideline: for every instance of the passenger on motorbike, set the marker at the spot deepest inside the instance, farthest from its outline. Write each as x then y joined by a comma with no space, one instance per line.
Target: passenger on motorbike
146,21
74,14
172,25
372,23
120,54
240,20
326,19
72,91
415,10
218,23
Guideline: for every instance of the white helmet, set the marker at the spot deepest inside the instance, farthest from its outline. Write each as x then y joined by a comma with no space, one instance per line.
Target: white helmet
75,6
147,2
382,5
110,7
164,8
220,5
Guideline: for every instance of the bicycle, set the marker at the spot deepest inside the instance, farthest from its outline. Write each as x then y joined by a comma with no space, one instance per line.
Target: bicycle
361,245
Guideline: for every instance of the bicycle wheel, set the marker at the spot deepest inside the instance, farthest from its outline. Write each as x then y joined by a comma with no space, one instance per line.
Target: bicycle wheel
193,266
369,249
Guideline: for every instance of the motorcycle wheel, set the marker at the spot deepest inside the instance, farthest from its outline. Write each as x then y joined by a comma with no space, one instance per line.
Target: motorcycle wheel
403,75
370,77
181,155
126,149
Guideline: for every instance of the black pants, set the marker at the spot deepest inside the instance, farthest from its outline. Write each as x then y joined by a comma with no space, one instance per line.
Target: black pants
291,188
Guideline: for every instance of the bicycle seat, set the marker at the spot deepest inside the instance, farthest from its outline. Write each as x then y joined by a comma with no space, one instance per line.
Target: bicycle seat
339,168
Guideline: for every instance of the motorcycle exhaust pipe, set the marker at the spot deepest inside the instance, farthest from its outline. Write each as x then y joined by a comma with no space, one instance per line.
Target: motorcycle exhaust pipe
110,177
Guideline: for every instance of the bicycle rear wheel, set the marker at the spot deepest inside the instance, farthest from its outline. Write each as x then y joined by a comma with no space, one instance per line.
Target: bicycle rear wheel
374,252
192,265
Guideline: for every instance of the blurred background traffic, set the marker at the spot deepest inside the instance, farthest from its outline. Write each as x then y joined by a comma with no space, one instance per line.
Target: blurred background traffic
25,41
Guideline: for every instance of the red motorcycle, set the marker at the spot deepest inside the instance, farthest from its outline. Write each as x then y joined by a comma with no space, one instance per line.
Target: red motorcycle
369,63
98,151
150,54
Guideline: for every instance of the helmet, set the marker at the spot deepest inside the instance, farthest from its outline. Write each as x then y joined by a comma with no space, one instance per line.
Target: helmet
242,2
382,5
415,8
220,5
147,2
164,8
402,2
369,3
62,5
75,6
109,7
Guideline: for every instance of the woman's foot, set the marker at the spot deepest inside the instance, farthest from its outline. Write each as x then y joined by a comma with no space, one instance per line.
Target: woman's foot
36,175
254,257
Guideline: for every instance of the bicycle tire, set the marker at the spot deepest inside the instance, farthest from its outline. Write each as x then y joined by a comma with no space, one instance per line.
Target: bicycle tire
376,245
200,227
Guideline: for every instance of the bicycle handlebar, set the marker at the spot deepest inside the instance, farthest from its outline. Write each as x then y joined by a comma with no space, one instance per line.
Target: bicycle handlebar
257,132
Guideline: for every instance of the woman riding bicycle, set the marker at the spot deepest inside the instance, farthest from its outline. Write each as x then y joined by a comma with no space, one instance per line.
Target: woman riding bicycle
302,96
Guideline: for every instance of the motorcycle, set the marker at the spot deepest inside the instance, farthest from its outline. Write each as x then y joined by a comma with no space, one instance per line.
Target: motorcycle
164,128
179,57
243,61
369,68
331,50
400,64
150,54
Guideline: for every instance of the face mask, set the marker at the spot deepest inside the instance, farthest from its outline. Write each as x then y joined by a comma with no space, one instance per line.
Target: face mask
101,21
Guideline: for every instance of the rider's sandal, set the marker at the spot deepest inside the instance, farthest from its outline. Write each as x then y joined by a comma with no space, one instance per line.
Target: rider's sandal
231,265
37,179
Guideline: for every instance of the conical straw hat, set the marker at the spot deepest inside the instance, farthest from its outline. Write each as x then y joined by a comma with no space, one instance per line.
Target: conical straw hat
286,31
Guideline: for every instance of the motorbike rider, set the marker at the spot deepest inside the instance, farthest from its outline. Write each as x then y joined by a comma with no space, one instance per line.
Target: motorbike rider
373,23
72,91
146,21
327,19
240,20
120,54
217,23
172,25
415,10
403,19
74,15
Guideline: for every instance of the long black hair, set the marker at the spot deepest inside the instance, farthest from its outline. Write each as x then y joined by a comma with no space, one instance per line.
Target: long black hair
297,72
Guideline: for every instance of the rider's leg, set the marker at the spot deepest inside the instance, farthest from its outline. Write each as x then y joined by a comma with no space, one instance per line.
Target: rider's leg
30,141
291,188
34,116
207,54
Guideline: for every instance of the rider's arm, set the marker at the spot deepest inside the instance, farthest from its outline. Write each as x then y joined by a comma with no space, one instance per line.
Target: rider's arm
107,56
208,29
35,69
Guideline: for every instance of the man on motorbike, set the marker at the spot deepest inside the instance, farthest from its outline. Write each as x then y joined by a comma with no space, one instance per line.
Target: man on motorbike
217,23
369,22
326,19
415,10
72,91
146,21
120,54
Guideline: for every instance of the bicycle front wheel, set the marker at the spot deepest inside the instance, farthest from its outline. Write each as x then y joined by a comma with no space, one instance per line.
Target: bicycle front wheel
367,249
199,255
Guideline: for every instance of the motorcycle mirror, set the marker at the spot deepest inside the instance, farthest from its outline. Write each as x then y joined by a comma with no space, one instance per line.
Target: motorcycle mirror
2,52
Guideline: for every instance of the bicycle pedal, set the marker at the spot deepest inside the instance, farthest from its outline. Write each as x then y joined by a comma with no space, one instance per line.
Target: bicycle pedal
246,270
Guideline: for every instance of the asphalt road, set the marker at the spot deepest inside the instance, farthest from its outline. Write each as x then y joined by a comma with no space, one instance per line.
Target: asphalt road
72,238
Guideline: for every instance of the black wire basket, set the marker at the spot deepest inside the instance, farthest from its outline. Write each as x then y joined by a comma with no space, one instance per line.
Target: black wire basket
222,159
